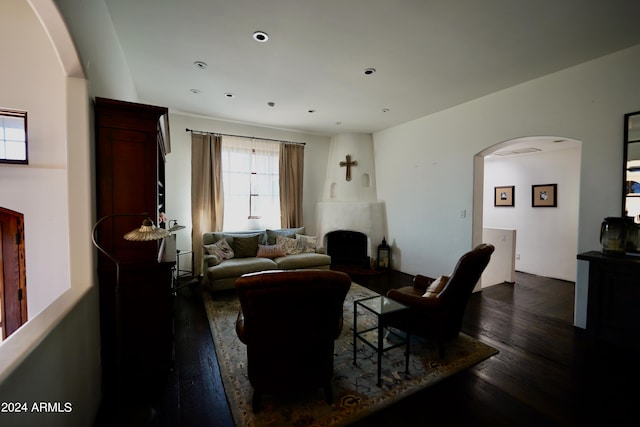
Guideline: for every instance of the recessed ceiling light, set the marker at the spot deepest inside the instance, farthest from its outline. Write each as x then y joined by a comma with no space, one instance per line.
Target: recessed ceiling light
196,91
368,71
229,95
260,36
200,64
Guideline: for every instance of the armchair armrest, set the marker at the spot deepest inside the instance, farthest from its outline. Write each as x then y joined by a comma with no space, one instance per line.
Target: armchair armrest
210,260
422,282
240,326
413,300
338,328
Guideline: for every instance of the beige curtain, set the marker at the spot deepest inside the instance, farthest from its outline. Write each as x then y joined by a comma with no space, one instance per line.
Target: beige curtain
207,206
291,180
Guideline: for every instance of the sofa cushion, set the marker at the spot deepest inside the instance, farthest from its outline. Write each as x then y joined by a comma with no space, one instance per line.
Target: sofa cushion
244,247
306,244
270,251
302,261
220,249
286,232
215,236
291,246
236,267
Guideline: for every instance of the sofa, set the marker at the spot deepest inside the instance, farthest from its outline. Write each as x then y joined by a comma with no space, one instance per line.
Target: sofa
229,255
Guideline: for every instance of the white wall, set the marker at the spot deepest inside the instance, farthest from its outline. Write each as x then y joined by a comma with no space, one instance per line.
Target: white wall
100,52
34,65
54,357
178,168
425,168
546,237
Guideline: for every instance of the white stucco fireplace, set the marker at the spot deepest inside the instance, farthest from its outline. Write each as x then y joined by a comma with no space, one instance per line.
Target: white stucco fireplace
349,198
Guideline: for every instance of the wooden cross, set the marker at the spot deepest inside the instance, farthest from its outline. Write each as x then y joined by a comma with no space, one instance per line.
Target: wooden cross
348,164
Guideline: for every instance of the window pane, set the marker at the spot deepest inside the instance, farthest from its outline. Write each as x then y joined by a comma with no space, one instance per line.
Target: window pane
13,136
15,151
237,183
250,169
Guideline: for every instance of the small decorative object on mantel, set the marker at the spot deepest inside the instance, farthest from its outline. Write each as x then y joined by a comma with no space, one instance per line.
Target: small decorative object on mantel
348,164
384,255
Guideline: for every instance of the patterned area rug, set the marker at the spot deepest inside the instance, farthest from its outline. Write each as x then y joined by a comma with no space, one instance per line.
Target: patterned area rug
355,391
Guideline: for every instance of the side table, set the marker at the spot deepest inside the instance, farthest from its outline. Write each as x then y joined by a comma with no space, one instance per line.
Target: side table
180,272
384,309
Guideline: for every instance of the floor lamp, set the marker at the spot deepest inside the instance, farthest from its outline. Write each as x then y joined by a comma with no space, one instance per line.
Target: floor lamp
147,232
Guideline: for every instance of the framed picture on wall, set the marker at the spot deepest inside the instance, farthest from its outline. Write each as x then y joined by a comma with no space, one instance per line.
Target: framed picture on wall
544,196
504,196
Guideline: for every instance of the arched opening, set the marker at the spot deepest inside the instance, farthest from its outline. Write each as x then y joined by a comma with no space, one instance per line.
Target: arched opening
528,238
55,194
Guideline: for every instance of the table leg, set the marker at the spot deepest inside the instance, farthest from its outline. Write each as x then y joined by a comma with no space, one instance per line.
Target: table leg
406,362
355,331
380,350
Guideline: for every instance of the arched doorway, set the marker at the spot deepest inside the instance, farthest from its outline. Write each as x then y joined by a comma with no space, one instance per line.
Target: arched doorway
545,238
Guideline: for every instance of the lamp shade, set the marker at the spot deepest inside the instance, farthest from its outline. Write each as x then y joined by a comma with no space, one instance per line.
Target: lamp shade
175,226
147,231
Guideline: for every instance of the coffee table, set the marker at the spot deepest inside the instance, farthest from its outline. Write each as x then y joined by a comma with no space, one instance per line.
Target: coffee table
384,309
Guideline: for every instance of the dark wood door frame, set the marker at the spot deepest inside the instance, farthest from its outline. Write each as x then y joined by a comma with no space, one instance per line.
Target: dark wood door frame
13,283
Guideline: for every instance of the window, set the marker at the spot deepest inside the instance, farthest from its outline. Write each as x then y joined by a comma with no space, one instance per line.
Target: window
250,178
13,137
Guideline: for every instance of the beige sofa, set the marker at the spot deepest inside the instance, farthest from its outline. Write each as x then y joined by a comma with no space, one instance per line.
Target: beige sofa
257,250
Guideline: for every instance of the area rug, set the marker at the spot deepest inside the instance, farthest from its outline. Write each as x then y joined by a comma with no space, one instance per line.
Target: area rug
356,394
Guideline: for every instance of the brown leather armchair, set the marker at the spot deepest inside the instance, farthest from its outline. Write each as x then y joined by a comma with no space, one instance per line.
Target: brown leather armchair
439,317
289,321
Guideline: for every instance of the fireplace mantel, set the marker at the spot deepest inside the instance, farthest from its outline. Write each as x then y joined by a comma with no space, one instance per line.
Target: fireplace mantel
365,217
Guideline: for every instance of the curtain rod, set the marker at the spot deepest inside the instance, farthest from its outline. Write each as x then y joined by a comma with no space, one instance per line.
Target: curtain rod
243,136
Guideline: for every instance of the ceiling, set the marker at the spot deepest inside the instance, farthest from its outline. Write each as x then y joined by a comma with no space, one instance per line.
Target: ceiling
428,55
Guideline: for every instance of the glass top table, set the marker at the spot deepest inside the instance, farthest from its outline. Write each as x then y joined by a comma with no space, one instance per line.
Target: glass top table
383,309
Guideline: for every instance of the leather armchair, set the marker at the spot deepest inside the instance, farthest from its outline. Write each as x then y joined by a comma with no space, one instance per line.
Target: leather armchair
289,321
439,317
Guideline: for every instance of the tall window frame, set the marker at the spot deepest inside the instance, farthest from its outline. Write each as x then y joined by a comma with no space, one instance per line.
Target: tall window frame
251,181
13,137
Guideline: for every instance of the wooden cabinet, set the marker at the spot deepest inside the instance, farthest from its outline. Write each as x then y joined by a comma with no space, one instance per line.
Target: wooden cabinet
131,145
613,298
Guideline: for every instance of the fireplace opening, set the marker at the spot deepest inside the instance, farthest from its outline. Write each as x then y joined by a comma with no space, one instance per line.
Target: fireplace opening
347,248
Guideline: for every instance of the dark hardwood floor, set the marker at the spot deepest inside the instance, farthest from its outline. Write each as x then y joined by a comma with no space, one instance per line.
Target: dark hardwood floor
547,373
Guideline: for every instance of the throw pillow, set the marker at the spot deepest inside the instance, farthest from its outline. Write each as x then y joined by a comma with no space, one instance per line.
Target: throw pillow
270,251
436,286
290,245
307,243
286,232
245,247
221,249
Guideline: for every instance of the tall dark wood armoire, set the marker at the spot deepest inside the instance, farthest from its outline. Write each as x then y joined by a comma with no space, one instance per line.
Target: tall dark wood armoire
131,144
